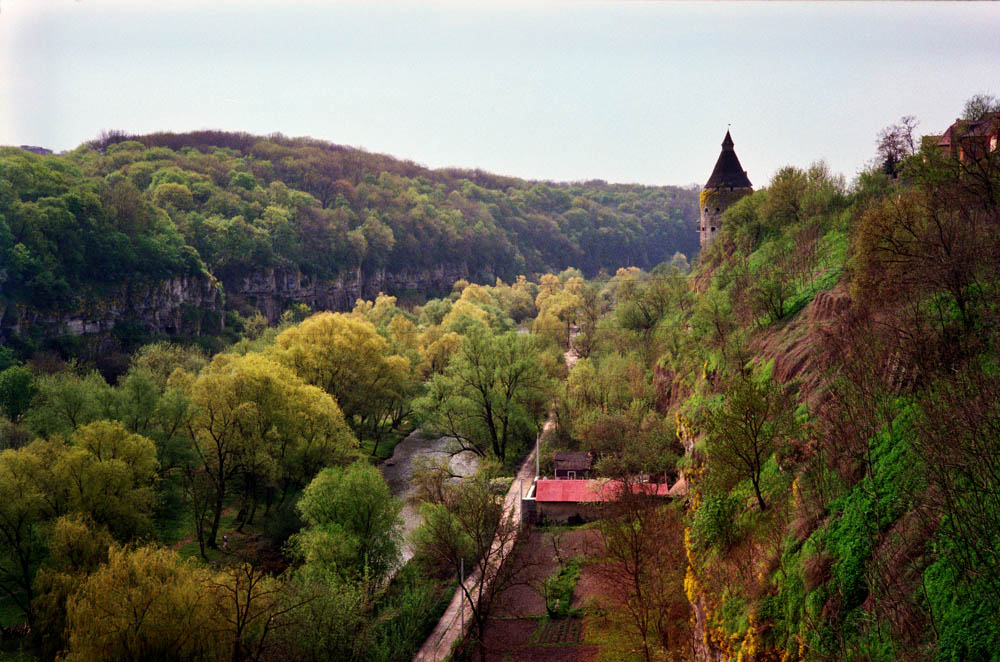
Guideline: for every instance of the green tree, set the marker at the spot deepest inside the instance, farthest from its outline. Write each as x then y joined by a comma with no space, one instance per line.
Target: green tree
17,388
352,523
492,396
64,402
255,419
109,474
744,433
24,509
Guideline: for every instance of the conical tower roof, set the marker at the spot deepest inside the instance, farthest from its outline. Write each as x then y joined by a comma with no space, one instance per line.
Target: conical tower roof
728,172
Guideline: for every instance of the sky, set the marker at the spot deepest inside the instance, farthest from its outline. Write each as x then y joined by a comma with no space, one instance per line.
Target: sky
545,89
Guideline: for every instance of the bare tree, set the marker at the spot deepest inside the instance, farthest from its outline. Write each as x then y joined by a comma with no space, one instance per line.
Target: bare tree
896,142
643,568
471,530
980,105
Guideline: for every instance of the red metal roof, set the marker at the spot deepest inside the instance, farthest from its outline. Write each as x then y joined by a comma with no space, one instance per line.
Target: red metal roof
580,491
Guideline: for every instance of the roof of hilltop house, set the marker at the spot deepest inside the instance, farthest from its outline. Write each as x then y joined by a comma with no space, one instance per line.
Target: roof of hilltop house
580,491
572,461
983,127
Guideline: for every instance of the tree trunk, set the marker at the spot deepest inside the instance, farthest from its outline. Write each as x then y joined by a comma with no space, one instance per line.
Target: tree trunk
216,518
760,499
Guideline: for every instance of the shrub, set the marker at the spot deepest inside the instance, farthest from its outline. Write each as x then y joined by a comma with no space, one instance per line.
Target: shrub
715,524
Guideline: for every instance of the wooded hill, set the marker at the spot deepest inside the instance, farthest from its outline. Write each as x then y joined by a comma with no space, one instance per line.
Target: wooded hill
834,378
130,208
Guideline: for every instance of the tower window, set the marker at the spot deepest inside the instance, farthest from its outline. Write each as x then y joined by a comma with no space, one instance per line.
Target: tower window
717,210
713,229
706,210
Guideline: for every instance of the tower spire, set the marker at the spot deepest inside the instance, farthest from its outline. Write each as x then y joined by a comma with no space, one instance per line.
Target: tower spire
728,183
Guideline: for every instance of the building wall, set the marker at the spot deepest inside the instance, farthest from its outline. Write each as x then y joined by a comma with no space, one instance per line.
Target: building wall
713,203
561,512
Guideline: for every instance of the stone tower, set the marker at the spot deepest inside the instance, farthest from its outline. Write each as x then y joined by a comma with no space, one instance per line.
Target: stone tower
727,184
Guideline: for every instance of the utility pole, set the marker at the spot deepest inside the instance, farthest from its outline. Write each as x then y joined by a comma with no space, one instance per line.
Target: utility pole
538,453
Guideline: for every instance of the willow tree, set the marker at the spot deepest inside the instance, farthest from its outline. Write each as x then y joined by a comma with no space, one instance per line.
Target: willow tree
492,396
345,356
255,420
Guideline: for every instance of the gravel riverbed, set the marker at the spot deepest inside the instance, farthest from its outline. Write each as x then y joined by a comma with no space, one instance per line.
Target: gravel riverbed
398,473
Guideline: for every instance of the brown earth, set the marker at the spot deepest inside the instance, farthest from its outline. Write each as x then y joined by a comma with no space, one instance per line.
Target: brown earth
519,632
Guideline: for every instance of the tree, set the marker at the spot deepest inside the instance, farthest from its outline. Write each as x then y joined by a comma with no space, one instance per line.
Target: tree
745,431
979,105
352,523
255,419
159,360
144,604
17,388
108,473
643,566
76,548
896,142
250,604
332,623
471,529
64,402
23,511
492,395
345,356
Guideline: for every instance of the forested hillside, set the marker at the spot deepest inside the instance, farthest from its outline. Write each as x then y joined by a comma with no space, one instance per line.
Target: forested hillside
279,220
824,388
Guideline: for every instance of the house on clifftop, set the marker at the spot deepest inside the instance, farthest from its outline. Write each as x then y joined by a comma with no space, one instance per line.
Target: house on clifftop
967,140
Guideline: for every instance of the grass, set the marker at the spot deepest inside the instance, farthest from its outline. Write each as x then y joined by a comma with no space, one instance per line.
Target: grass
610,629
559,589
226,526
386,447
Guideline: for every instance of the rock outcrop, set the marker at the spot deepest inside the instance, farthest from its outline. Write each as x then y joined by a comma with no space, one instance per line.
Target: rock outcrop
192,305
271,291
188,305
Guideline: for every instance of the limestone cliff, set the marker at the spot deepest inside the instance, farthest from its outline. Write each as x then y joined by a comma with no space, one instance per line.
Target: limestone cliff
272,290
192,305
188,305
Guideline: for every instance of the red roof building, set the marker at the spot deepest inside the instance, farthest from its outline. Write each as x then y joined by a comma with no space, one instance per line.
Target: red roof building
548,490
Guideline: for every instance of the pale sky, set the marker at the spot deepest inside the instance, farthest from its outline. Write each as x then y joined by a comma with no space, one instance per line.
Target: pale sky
546,89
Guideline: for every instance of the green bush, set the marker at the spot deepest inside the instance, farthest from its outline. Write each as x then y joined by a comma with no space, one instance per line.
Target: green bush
559,589
715,525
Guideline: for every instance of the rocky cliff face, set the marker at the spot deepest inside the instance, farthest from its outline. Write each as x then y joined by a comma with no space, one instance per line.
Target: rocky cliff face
192,305
272,290
188,305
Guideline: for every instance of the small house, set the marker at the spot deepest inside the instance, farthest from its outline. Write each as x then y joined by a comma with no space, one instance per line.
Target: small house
571,465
